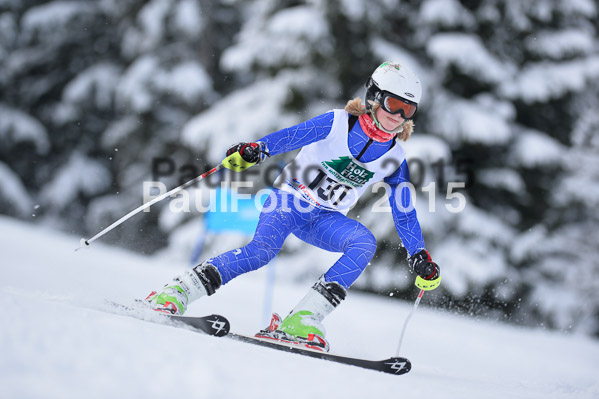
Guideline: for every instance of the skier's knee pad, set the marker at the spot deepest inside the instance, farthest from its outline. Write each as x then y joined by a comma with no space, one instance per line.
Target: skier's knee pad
209,276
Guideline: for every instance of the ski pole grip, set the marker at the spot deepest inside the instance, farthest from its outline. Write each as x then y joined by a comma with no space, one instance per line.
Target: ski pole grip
236,163
427,285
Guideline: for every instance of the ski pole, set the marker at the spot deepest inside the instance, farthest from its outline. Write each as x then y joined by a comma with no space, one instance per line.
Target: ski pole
424,285
234,162
86,243
403,330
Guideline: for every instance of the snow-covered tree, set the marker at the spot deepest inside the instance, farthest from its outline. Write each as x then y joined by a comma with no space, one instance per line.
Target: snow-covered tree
507,78
97,90
91,92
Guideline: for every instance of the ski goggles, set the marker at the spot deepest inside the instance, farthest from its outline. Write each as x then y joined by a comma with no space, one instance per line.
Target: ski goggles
390,102
397,105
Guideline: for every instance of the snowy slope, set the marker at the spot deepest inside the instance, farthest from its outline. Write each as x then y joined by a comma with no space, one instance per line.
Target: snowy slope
55,343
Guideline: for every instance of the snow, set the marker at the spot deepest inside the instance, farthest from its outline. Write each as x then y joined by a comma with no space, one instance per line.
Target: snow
119,130
472,121
152,20
16,126
79,175
188,80
46,17
532,148
97,82
267,44
134,89
469,55
385,51
543,81
14,192
445,13
251,108
586,8
495,231
61,345
506,179
527,244
146,77
582,189
354,10
367,13
484,261
8,32
188,18
299,21
560,44
466,270
426,147
561,304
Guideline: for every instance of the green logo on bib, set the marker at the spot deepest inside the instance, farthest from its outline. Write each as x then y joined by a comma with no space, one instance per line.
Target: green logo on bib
348,170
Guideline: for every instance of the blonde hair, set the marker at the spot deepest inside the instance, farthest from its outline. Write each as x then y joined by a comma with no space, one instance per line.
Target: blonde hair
355,107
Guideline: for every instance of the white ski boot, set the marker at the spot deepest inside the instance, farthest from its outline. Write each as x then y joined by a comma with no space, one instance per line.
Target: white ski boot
304,325
202,280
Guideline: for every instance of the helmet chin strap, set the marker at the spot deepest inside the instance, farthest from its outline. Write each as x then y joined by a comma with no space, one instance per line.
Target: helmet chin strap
380,126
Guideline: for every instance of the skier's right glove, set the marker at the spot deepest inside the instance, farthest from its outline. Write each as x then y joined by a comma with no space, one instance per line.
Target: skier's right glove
244,155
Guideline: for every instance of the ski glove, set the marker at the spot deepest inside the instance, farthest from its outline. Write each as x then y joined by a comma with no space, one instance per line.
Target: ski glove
253,153
422,264
245,155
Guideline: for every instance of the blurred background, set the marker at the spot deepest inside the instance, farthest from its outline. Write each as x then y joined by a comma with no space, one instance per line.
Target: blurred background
95,94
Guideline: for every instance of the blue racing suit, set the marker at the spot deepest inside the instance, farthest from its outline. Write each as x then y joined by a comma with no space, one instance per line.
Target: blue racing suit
326,229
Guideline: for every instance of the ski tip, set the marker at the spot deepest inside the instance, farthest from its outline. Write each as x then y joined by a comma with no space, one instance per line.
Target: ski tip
397,365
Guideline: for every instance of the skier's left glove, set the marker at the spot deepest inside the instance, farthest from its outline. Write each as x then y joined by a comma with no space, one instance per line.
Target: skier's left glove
427,270
244,155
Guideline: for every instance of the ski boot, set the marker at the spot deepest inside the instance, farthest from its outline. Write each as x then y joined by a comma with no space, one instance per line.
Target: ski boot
311,341
202,280
303,326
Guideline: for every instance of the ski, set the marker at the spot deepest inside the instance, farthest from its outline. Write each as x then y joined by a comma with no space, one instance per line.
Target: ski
214,324
393,365
219,326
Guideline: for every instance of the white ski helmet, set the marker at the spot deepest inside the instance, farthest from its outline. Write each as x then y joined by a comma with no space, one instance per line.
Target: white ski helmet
391,79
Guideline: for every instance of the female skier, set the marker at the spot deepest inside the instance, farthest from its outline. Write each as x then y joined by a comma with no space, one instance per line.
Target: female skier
343,153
